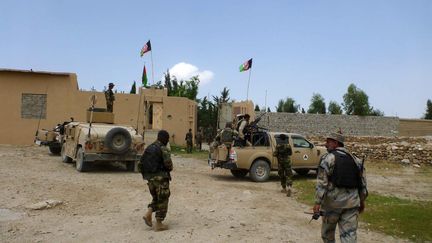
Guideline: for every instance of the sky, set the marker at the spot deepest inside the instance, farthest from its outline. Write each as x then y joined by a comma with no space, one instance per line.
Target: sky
298,47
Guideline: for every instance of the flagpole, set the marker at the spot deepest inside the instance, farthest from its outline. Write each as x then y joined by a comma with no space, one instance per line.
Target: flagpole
247,94
139,110
151,56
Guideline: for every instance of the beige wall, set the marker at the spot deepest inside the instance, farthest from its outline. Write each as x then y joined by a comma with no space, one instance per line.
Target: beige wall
64,100
415,127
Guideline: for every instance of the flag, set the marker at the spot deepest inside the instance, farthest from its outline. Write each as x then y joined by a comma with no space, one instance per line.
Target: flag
144,77
146,48
246,66
133,89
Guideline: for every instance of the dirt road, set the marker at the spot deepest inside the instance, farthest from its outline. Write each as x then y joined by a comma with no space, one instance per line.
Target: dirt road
107,204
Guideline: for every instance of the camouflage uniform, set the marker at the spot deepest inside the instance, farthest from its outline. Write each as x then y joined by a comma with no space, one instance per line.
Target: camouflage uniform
189,143
283,151
158,184
199,139
109,96
340,205
226,137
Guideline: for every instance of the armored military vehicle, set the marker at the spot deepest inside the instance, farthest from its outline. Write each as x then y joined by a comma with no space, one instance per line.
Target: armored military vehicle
50,138
258,159
101,141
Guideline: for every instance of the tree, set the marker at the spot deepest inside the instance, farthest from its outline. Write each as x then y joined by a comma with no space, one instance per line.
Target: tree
376,112
356,102
182,88
334,108
133,89
288,105
428,114
268,109
317,105
257,108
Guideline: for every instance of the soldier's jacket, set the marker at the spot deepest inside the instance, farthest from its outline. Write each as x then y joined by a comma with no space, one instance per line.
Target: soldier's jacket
188,137
282,152
226,135
167,162
330,196
109,96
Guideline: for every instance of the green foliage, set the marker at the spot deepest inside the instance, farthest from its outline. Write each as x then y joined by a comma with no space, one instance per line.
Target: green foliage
289,105
133,89
376,112
196,154
428,114
182,88
257,108
334,108
268,109
317,105
356,102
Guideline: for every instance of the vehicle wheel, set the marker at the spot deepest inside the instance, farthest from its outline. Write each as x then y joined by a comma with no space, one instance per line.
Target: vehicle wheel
239,173
302,172
130,166
118,140
81,165
55,149
64,157
260,171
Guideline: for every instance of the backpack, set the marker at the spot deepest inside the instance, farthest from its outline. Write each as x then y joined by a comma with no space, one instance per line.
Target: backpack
151,161
346,173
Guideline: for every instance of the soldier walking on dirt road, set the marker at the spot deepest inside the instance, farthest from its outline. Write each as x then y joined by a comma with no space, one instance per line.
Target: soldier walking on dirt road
155,166
340,191
283,151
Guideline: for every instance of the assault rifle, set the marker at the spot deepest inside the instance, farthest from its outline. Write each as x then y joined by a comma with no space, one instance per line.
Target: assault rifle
315,215
253,126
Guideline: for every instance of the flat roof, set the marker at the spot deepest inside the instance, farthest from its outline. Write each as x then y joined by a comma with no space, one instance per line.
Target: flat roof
32,71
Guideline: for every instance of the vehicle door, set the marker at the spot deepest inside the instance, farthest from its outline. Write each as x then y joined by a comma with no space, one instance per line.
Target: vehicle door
260,146
302,152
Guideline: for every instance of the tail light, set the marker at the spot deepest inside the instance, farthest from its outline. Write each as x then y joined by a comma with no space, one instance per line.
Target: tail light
233,155
88,146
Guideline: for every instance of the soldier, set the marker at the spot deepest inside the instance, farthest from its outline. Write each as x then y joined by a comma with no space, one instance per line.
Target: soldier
199,138
189,143
340,191
109,96
155,166
226,136
242,124
283,151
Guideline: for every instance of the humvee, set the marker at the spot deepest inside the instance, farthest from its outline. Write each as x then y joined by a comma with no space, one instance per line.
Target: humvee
101,141
258,159
50,138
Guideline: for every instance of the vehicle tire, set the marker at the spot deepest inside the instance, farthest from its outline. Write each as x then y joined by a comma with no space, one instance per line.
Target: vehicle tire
130,166
259,171
81,165
239,173
55,149
302,172
118,140
64,157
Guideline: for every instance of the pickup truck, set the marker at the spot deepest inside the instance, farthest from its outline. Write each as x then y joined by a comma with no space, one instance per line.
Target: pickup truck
258,159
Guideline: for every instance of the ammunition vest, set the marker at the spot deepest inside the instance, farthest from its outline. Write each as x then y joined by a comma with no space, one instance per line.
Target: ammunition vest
152,159
227,135
283,150
346,173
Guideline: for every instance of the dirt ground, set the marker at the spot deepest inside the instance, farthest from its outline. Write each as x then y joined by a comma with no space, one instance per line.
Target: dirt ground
107,204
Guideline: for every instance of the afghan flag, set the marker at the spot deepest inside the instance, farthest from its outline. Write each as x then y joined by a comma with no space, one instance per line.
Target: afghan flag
144,77
146,48
246,66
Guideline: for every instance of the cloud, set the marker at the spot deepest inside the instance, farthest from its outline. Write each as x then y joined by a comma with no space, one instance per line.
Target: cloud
184,71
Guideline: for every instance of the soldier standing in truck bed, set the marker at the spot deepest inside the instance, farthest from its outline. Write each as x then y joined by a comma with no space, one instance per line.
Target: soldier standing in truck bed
109,96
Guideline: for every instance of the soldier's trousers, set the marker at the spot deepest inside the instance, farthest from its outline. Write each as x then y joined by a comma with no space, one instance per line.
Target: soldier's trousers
285,173
159,189
110,107
189,147
346,219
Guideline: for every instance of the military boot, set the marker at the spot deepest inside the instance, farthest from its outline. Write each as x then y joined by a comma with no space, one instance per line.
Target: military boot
288,191
148,217
159,226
